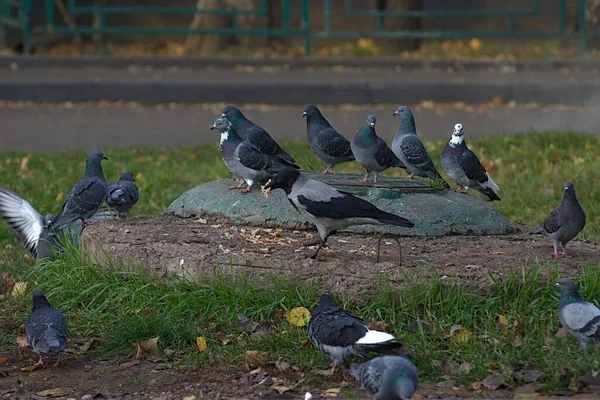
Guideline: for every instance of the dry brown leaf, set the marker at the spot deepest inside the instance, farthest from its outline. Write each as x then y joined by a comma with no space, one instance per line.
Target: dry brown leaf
380,326
281,389
22,341
24,167
282,365
246,324
519,325
3,360
475,386
333,392
147,349
255,358
517,341
493,382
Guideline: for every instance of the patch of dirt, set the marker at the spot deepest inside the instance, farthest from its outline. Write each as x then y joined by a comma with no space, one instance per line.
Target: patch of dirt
193,246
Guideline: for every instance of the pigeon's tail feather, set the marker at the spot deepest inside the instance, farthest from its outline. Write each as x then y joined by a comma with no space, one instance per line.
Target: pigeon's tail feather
384,347
287,160
537,230
489,193
392,219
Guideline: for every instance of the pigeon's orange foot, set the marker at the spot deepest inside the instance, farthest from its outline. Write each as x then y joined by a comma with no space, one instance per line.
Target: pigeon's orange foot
247,190
236,187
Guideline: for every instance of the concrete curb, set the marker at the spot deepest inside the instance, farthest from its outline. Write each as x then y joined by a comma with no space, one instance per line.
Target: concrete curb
299,92
76,62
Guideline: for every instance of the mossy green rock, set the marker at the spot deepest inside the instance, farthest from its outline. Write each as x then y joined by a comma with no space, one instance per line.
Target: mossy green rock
435,213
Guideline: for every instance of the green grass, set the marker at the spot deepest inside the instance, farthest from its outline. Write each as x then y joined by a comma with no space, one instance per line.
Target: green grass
119,308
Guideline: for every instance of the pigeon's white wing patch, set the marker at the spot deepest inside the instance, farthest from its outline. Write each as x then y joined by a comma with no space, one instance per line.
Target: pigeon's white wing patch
22,217
373,337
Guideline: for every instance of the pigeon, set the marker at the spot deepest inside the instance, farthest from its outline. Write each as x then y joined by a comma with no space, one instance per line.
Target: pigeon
328,208
580,318
325,141
122,195
410,150
464,168
342,335
371,152
87,195
46,328
387,377
243,159
565,222
256,135
29,224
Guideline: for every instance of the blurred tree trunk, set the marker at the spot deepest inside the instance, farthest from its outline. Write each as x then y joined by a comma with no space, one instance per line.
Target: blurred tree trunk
207,44
69,21
591,17
402,23
250,22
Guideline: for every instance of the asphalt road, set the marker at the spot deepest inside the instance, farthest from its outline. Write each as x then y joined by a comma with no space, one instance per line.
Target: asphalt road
35,127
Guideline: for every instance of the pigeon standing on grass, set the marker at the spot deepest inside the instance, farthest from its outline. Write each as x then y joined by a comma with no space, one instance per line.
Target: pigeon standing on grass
87,195
46,328
325,141
243,159
343,335
371,152
464,168
387,377
328,208
565,222
122,195
410,150
580,318
256,135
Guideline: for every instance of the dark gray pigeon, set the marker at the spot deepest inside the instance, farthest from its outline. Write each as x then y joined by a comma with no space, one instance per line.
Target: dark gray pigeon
565,222
343,335
410,150
371,152
122,195
32,228
387,377
46,328
464,168
256,135
580,318
87,195
243,159
325,141
329,209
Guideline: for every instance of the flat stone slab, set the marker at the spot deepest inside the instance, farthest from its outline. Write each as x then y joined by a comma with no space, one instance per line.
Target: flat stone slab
434,212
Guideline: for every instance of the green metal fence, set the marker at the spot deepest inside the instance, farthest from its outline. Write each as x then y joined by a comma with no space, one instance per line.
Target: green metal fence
16,14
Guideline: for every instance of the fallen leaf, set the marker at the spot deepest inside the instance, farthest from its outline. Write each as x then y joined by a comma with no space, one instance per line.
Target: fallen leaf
493,381
189,398
475,386
465,368
147,349
448,367
246,324
304,341
463,336
519,325
24,167
562,333
19,289
516,341
281,389
255,358
333,392
380,326
79,349
201,343
529,376
32,368
502,320
56,392
298,316
282,365
3,360
22,341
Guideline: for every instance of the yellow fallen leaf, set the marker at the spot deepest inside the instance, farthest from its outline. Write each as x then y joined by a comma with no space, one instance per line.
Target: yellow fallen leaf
281,389
502,320
201,343
32,368
475,44
463,336
303,341
298,316
19,289
56,392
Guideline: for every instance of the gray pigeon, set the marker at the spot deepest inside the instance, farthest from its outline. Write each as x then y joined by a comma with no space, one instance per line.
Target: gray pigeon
46,328
122,194
464,168
325,141
29,224
387,377
343,335
256,135
565,222
243,159
87,194
580,318
371,151
410,150
328,208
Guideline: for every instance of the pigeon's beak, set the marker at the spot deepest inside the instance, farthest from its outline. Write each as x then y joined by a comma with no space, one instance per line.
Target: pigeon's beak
373,124
213,127
304,114
557,284
104,158
395,113
223,115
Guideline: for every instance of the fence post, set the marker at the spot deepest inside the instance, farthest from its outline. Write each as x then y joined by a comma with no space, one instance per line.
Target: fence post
306,27
582,28
25,20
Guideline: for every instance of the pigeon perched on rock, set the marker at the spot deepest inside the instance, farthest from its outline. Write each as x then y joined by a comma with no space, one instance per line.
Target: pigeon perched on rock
342,335
387,377
410,150
580,318
87,195
46,328
464,168
122,195
565,222
244,160
29,224
325,141
256,135
328,208
371,152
